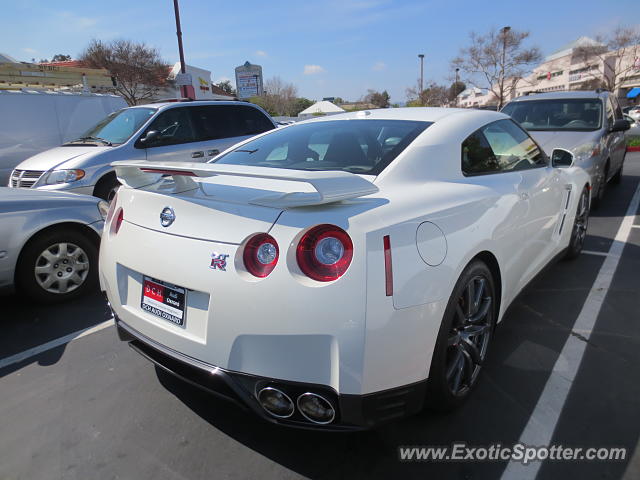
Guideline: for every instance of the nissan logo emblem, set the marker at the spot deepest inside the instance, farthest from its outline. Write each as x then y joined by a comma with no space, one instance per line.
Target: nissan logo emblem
167,216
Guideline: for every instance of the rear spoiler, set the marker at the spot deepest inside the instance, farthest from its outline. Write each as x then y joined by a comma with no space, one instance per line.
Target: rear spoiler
330,186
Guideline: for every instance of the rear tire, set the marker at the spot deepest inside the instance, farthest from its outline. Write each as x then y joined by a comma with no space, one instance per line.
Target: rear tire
463,340
56,266
580,224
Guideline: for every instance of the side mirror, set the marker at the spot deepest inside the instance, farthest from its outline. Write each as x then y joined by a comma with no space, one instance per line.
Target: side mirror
561,158
620,126
150,138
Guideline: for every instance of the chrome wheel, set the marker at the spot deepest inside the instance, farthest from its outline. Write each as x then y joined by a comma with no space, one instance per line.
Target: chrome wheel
61,268
469,336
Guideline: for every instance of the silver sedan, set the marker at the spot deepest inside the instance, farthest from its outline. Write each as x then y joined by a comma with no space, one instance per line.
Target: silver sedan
49,243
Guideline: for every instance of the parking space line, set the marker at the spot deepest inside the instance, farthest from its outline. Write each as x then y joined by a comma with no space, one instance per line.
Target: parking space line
593,252
19,357
542,422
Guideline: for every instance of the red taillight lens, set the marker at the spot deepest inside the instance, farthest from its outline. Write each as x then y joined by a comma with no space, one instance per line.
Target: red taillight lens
118,217
260,255
324,253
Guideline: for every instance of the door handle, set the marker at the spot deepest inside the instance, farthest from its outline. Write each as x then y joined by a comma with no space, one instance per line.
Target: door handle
213,152
197,154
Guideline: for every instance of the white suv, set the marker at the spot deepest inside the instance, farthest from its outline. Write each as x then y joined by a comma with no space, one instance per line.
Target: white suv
189,131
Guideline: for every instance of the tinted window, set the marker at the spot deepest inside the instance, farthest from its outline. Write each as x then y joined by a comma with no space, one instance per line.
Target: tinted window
175,127
578,114
500,146
358,146
119,126
251,121
226,121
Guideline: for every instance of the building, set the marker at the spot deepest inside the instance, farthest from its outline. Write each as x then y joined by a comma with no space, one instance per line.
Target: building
72,76
201,87
567,69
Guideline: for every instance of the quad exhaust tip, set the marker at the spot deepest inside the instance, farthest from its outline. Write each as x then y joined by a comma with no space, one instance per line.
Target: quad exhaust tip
312,406
276,402
315,408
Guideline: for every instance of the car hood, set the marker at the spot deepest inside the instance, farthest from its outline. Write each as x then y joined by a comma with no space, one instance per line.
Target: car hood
567,140
57,156
18,199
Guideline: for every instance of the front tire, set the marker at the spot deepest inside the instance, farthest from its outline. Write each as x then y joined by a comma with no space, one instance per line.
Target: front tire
107,187
580,224
463,339
57,266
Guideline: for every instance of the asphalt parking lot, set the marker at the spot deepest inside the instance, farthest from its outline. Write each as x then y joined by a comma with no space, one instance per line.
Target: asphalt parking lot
92,408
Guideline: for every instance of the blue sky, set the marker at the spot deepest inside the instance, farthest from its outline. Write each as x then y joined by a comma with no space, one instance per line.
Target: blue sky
326,48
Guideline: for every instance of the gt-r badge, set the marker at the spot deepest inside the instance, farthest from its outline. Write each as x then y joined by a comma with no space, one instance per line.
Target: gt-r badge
219,261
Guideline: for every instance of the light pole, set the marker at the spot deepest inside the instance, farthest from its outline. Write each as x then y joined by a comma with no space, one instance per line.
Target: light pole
183,88
504,31
421,57
456,89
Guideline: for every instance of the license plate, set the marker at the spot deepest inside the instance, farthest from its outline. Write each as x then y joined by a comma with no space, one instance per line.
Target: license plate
163,300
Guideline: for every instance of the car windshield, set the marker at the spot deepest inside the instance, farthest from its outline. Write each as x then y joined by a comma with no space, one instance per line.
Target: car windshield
576,114
356,146
118,127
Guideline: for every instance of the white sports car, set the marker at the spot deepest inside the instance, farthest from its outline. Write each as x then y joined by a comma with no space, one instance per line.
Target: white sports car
344,271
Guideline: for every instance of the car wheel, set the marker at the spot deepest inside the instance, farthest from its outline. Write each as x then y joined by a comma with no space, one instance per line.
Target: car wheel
598,198
56,266
580,224
463,339
107,187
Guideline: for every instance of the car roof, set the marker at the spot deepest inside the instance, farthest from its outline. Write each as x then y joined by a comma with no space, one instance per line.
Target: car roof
195,103
423,114
561,95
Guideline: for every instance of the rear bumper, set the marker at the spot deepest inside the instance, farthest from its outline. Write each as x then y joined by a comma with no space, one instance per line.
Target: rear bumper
353,412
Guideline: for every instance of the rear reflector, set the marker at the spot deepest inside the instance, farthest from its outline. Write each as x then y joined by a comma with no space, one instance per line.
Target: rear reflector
388,269
182,173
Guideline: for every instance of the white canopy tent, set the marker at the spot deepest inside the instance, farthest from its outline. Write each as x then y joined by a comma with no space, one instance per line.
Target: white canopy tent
321,108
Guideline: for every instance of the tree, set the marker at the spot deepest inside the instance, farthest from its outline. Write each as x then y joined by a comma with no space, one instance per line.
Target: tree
280,98
137,68
301,104
496,60
226,86
379,99
612,58
433,96
456,89
59,57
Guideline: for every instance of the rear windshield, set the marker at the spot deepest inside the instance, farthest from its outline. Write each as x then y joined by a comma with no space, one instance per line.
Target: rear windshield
578,114
356,146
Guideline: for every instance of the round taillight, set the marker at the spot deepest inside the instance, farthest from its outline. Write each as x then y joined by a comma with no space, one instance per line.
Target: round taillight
112,208
324,253
260,255
118,217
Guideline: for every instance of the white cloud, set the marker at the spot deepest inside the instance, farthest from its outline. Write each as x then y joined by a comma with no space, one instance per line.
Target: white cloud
379,66
313,69
29,50
261,53
76,21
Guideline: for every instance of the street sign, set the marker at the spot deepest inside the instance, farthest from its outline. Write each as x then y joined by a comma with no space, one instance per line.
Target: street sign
249,80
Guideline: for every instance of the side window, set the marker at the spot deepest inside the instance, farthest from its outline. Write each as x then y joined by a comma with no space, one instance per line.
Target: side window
175,127
617,110
500,146
212,122
610,114
251,121
477,156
